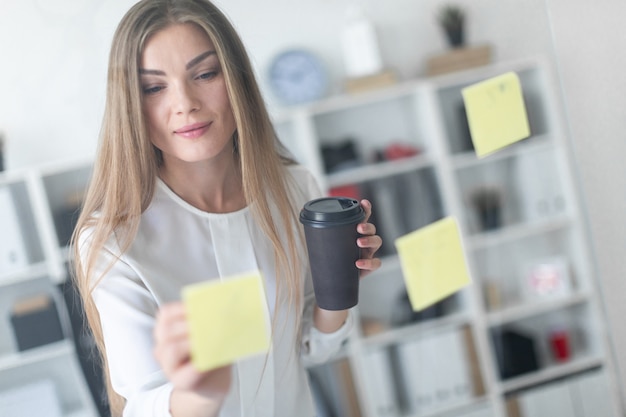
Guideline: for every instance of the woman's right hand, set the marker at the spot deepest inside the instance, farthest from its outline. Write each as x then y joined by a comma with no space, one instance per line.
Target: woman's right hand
173,352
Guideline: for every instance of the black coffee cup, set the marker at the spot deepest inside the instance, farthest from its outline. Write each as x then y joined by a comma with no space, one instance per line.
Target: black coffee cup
330,231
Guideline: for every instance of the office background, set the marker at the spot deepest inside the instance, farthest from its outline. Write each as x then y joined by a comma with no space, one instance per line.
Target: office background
54,61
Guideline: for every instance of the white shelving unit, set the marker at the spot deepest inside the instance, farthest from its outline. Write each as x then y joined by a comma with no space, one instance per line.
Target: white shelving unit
40,270
540,219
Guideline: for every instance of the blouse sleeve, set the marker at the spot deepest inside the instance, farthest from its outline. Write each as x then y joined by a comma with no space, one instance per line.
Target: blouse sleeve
127,315
319,347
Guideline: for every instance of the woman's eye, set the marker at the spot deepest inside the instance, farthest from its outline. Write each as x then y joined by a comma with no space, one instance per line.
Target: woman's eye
152,90
207,75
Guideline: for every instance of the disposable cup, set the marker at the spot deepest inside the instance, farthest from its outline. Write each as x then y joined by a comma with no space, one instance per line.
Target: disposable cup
331,235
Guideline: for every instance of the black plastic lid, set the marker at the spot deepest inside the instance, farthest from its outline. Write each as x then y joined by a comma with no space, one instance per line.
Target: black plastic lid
331,211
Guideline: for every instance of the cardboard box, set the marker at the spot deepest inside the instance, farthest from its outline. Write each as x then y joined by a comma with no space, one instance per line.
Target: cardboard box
370,82
36,322
458,59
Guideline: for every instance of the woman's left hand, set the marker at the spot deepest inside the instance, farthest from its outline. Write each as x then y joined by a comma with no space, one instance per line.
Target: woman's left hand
369,243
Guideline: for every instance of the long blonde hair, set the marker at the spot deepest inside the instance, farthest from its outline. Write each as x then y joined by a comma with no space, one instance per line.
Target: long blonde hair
126,166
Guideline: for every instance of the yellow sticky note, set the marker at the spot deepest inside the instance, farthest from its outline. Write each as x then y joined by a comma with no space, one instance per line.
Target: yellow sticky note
433,262
496,113
228,320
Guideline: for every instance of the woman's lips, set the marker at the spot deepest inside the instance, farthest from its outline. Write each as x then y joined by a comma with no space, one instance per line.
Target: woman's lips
193,131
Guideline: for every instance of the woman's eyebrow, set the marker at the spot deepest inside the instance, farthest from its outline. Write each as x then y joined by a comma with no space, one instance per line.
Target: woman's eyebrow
189,65
199,59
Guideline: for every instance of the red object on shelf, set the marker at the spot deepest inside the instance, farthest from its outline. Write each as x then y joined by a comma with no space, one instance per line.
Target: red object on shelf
351,191
399,151
559,341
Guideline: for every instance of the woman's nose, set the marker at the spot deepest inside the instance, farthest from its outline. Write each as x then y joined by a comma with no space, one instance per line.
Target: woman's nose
186,100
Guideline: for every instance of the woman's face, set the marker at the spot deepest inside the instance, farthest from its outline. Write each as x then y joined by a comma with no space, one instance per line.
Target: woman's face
185,99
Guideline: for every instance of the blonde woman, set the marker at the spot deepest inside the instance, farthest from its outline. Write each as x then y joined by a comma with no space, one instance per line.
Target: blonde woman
190,183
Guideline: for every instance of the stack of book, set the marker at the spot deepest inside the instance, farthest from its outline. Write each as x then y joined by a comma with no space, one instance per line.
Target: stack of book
438,371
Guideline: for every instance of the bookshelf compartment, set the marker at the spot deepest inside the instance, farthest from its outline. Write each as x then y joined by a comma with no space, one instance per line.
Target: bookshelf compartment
454,115
584,394
61,372
438,372
403,203
539,267
369,132
18,292
386,315
65,192
523,188
546,346
20,246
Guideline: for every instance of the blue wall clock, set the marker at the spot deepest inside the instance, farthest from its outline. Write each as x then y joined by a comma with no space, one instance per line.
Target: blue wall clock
297,76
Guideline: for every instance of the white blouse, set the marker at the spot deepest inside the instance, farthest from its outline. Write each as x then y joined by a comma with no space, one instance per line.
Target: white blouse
176,245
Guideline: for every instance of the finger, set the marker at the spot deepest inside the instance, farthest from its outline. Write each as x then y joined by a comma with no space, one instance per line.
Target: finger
367,207
373,243
171,323
171,331
371,264
171,312
366,229
367,266
186,376
173,355
216,381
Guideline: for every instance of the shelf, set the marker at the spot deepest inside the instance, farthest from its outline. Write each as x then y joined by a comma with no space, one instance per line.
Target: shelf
485,240
461,407
511,314
346,101
429,113
29,272
378,170
39,354
82,413
459,79
343,101
402,334
550,373
468,159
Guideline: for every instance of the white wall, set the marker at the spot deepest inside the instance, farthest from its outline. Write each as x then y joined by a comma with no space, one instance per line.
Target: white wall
54,54
591,52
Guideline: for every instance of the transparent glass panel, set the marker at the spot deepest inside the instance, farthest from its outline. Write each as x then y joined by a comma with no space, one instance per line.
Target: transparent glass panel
500,314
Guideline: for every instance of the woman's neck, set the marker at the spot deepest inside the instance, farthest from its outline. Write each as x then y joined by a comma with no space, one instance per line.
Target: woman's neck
210,187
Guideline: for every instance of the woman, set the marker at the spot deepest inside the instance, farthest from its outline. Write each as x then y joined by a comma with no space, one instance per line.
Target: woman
190,184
